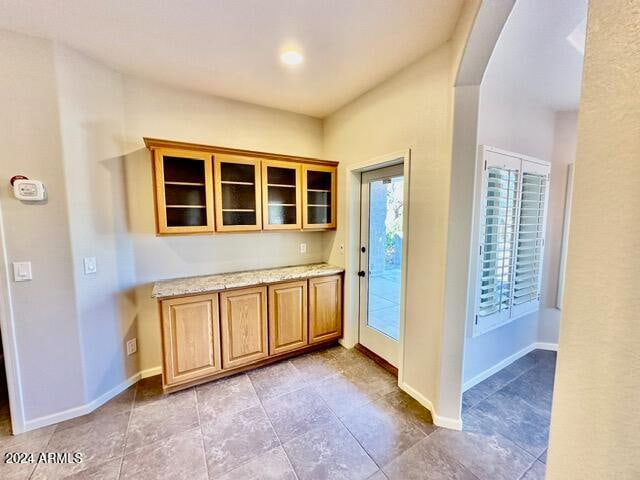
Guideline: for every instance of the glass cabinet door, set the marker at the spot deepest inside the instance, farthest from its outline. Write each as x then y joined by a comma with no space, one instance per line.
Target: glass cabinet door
237,189
281,195
319,196
184,191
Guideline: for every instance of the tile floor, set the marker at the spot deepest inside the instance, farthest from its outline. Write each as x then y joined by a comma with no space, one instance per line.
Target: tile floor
332,414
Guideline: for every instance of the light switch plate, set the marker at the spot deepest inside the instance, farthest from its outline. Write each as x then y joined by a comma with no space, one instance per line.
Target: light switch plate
132,346
303,248
22,271
90,265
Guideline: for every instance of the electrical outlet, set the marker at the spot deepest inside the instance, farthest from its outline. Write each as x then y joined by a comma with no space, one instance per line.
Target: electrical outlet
132,346
90,265
303,248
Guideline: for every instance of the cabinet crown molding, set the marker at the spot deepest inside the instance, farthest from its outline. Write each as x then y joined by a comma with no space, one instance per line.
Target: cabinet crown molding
153,143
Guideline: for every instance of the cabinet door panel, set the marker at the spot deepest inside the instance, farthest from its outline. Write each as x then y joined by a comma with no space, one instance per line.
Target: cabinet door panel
191,338
288,328
325,308
237,193
244,326
318,196
184,191
281,208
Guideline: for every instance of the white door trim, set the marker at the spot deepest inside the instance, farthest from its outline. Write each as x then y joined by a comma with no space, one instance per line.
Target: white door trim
352,250
369,337
9,345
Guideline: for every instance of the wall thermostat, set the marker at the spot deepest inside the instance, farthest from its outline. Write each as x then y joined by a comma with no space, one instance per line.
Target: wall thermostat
29,190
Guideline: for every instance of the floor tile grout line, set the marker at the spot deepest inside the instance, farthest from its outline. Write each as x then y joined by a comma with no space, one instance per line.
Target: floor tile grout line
126,431
281,445
450,456
358,441
204,450
380,468
507,383
514,441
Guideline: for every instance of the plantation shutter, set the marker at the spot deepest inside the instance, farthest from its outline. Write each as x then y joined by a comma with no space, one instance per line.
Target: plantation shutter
512,225
498,234
531,231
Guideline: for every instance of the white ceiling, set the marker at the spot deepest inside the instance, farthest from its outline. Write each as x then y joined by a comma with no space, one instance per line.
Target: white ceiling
231,47
536,55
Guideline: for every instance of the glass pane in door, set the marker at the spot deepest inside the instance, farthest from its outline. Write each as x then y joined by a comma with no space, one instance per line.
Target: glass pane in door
385,255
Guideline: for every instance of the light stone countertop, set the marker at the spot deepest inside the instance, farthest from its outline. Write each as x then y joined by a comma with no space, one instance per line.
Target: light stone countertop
227,281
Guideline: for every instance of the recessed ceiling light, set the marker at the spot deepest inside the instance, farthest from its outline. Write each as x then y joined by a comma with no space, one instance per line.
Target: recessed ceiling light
291,57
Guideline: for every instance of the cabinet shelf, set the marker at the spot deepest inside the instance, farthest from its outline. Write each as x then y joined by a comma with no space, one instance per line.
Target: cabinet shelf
230,182
238,210
319,196
280,185
186,206
186,184
282,204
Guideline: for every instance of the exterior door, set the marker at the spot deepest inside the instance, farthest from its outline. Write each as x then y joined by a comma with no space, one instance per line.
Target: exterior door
381,240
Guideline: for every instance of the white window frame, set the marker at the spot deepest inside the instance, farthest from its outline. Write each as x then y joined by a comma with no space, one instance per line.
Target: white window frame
491,156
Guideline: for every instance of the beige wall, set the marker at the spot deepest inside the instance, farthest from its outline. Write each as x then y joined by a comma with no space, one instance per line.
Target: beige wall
596,413
154,110
411,110
564,153
78,125
44,309
91,111
523,126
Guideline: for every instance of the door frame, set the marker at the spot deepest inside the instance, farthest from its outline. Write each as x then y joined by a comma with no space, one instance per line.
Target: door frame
9,345
352,247
385,346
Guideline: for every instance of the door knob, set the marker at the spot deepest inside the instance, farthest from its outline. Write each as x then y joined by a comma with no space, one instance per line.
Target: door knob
361,273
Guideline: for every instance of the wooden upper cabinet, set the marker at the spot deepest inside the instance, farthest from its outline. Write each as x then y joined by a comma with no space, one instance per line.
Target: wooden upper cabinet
202,189
191,336
243,314
237,193
288,329
281,207
318,196
325,308
184,191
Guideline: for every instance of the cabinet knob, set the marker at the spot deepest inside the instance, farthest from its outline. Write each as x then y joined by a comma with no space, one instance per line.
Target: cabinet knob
361,273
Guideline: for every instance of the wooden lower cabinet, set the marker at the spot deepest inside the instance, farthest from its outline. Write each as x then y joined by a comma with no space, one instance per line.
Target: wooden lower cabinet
243,314
288,329
206,336
325,308
191,338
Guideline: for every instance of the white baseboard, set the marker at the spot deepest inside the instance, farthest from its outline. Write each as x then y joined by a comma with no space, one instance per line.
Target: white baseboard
507,361
439,420
80,410
497,367
547,346
150,372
